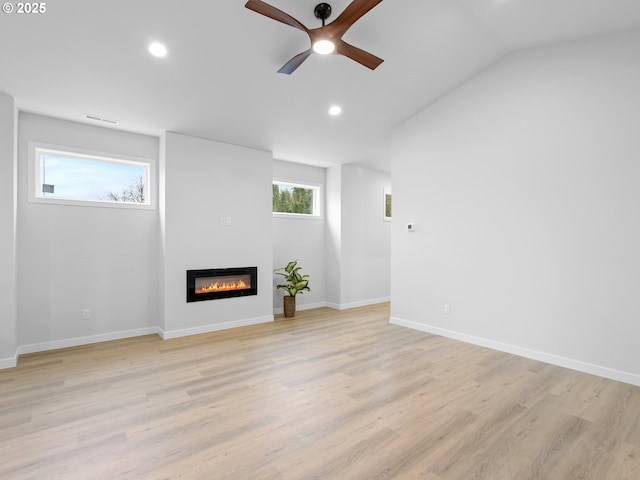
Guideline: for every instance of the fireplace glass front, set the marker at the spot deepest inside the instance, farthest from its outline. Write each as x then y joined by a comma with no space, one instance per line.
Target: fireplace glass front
217,283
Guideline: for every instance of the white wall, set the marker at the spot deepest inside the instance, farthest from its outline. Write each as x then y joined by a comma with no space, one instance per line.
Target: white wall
204,181
8,306
333,235
76,257
358,249
365,262
301,238
523,184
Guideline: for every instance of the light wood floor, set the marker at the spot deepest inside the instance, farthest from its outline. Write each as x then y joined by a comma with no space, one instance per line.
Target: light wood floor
341,395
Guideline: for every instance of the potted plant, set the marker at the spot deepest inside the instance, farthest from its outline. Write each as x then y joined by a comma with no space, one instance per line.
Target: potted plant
295,283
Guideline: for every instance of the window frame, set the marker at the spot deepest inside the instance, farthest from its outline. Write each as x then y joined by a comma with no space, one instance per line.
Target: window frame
36,148
317,199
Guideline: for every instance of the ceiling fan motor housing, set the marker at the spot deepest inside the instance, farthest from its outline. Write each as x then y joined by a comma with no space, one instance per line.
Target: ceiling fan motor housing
322,11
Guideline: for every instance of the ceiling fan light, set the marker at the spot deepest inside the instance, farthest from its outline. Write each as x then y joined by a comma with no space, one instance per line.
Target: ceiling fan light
324,47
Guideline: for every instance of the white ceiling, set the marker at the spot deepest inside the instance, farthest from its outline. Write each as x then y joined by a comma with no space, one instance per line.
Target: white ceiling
219,79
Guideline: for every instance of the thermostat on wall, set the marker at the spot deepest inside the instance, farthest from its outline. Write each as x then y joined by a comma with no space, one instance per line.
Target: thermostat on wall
411,227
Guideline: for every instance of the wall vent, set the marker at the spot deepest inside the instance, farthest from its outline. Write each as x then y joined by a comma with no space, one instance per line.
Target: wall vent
96,118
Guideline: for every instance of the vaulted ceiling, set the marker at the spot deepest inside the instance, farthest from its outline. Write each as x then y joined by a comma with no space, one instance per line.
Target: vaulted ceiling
219,78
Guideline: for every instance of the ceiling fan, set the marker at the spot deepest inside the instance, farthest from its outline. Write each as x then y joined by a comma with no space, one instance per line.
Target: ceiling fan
328,38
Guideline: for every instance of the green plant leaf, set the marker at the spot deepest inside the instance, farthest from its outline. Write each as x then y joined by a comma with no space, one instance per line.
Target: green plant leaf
290,266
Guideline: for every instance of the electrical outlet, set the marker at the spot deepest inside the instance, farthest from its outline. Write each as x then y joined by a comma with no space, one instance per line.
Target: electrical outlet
447,309
86,314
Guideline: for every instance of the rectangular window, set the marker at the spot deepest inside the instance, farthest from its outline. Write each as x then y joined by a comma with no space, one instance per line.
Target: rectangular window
296,199
387,204
70,176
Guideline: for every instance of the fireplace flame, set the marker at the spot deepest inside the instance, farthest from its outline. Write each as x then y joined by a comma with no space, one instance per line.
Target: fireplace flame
222,287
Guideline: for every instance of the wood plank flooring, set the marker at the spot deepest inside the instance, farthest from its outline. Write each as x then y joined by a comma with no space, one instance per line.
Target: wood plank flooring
328,395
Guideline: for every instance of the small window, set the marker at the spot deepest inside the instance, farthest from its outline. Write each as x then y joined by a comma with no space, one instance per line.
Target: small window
296,199
70,176
387,204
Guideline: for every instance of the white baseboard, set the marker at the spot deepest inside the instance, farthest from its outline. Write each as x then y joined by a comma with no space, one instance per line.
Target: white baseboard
74,342
299,307
577,365
8,362
185,332
336,306
363,303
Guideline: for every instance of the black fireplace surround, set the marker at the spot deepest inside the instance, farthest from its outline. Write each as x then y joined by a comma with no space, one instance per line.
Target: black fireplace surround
217,283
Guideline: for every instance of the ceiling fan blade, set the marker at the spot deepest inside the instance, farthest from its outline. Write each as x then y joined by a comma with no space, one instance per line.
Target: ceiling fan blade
272,12
294,63
349,16
354,53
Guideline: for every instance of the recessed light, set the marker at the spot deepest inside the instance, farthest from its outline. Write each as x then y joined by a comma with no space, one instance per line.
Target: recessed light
157,49
335,110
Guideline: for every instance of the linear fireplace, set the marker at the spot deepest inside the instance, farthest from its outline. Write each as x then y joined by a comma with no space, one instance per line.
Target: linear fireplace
216,283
